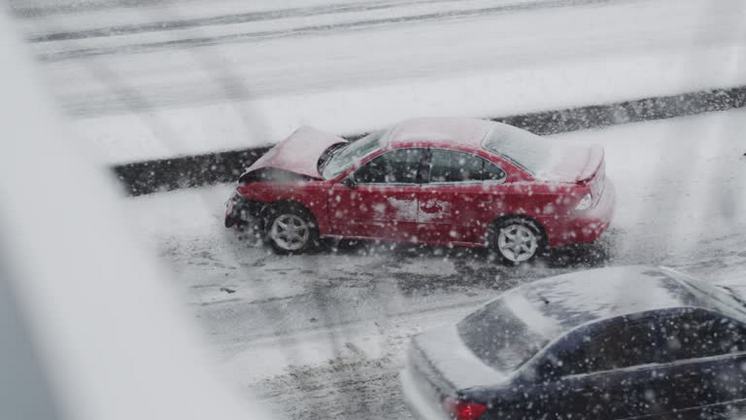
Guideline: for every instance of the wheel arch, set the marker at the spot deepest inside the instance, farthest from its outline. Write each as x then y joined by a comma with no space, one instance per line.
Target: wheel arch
268,207
491,230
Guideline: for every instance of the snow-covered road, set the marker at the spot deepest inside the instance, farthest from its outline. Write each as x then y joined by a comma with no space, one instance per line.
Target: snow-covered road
186,94
322,335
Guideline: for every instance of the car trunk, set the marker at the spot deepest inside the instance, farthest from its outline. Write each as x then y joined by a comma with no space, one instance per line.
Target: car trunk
441,365
573,163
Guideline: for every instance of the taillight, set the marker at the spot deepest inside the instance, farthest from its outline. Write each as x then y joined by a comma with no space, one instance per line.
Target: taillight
585,203
464,410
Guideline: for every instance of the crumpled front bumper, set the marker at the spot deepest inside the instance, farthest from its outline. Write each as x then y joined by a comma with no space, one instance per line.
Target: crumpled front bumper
240,211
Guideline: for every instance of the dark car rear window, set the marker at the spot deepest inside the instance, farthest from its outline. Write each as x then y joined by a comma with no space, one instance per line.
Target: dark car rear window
499,337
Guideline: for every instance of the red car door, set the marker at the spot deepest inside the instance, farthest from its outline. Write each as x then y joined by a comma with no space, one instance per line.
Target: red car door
462,196
380,199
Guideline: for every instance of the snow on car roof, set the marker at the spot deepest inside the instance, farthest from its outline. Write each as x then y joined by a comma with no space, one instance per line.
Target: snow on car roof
466,131
564,302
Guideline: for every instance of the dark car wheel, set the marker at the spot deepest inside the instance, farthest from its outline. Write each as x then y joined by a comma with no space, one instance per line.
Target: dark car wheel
517,240
290,229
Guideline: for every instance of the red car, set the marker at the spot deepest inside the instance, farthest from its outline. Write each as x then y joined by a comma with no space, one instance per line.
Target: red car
439,181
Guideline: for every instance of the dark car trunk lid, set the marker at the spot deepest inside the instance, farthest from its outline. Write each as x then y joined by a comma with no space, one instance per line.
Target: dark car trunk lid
440,358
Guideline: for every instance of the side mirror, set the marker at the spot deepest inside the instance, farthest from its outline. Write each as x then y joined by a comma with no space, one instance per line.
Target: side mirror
350,182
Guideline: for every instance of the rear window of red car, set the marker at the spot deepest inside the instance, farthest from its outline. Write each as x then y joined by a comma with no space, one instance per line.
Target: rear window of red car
528,150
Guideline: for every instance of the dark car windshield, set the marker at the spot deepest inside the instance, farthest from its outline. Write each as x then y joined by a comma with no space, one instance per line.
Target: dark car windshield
346,157
525,149
502,338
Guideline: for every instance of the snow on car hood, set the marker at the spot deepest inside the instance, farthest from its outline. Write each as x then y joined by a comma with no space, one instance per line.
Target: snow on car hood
572,163
299,152
458,365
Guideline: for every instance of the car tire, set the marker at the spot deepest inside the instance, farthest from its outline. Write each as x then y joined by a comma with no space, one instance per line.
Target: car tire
290,229
517,240
230,222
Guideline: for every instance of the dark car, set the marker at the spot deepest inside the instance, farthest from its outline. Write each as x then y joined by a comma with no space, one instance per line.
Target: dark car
612,343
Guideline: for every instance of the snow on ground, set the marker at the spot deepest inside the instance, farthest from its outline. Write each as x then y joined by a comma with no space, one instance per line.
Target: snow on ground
164,93
680,183
146,24
323,335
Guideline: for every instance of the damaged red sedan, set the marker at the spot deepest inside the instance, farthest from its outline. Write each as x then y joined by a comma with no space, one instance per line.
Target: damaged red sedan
438,181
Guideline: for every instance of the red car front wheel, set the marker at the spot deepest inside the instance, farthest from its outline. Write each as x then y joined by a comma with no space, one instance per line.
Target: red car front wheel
290,229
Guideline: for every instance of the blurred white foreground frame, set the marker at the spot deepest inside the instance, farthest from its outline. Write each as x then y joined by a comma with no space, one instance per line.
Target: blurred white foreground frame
89,329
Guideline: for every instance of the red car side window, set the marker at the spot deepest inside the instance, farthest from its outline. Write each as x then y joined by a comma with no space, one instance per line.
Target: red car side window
493,172
395,167
452,166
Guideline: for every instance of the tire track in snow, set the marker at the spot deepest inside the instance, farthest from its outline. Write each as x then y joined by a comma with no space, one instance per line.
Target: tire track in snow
26,10
169,25
204,41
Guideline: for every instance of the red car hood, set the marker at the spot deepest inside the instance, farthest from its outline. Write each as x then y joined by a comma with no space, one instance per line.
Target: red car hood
298,153
573,164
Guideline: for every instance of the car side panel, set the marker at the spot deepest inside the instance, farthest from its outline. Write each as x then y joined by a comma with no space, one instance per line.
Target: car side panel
601,396
547,204
712,386
463,213
478,209
381,211
310,194
458,212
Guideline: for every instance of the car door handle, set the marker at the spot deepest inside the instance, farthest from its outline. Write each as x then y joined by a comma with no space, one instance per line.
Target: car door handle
433,208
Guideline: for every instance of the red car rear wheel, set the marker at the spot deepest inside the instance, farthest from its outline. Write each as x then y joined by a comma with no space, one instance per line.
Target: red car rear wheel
517,240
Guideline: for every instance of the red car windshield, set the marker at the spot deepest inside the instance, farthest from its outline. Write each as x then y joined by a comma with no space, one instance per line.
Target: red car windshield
348,155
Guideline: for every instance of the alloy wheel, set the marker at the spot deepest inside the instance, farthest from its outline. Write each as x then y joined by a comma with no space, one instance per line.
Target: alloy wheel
290,232
517,243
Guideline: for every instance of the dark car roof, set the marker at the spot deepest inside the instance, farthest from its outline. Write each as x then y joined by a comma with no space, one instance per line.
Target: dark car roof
558,304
